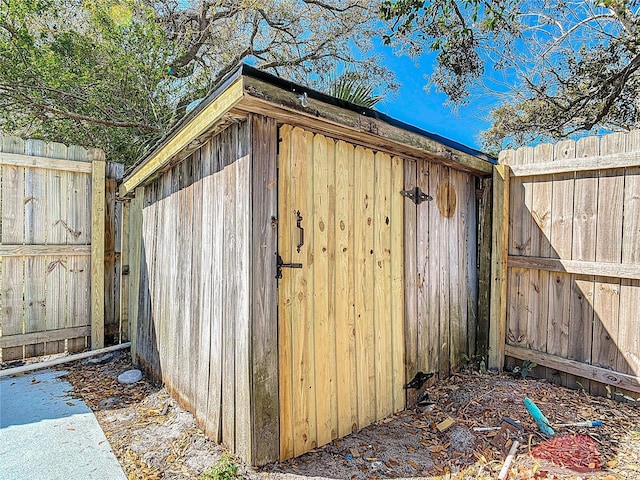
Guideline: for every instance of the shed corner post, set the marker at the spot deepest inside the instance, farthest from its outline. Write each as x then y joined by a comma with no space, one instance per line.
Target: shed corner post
98,205
265,406
500,241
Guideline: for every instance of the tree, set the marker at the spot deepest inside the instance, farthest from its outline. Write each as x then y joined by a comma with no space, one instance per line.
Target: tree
116,74
560,67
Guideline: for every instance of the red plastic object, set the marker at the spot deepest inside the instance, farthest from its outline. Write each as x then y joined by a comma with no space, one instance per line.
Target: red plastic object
577,452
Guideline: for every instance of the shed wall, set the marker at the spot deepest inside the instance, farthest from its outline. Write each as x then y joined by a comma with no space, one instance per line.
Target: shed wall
194,305
441,271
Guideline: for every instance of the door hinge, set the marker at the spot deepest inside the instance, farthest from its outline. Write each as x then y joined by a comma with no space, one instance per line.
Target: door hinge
416,195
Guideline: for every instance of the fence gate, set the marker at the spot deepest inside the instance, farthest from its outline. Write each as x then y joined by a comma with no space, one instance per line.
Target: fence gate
51,248
567,261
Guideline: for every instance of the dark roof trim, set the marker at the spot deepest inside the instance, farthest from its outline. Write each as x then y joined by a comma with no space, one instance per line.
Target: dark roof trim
246,70
367,112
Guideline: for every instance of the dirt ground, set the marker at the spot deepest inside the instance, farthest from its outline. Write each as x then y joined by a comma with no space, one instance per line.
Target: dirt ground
155,439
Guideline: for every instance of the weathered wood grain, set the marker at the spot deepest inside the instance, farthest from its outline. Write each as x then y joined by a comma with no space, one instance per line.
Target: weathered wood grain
285,296
13,196
264,287
411,279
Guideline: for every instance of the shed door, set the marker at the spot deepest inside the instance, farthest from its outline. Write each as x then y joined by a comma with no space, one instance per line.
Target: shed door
340,326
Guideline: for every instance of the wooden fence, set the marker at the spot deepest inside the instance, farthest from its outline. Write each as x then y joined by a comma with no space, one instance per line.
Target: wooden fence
566,265
59,248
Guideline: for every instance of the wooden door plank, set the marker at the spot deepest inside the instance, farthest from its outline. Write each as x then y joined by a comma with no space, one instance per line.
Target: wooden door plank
382,318
397,284
285,297
304,425
363,242
344,290
323,165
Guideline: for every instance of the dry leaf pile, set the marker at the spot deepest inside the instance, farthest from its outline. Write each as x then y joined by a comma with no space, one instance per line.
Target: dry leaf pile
155,439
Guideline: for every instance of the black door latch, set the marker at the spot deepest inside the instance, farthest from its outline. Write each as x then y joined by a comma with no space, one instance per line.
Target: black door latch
280,265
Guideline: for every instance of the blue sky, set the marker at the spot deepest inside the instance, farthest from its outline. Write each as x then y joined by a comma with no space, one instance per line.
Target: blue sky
414,105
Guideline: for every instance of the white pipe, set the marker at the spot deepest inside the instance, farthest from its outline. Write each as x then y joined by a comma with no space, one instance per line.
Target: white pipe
58,361
507,463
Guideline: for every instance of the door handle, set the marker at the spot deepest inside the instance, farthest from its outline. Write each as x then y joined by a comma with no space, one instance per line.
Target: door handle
301,231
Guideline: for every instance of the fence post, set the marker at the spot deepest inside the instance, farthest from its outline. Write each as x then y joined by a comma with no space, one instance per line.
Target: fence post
497,323
97,246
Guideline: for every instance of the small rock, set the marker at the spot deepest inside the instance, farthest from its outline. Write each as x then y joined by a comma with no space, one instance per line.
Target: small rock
130,376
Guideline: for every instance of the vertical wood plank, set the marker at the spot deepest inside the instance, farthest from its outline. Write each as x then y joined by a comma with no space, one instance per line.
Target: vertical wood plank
323,165
229,308
304,413
57,267
35,202
382,320
469,259
264,310
13,195
606,300
97,248
500,242
214,400
285,297
542,189
397,284
78,232
561,239
363,243
411,279
243,378
444,224
484,274
344,290
583,248
455,276
125,260
428,275
135,260
628,339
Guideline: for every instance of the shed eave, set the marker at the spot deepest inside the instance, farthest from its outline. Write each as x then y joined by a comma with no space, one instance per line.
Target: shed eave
289,107
177,141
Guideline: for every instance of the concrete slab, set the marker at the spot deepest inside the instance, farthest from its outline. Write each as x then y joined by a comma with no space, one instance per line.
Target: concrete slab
46,434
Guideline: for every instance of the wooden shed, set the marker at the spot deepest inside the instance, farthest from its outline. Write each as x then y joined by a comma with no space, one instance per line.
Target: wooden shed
294,260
